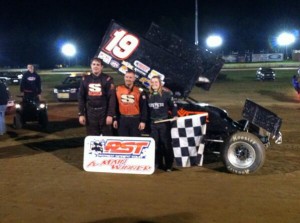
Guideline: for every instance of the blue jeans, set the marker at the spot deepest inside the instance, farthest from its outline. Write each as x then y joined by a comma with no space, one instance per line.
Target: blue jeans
2,119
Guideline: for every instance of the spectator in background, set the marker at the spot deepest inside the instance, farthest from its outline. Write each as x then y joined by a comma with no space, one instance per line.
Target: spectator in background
30,84
296,85
3,102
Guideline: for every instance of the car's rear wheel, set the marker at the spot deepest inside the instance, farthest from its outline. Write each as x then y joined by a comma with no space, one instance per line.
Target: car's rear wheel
243,153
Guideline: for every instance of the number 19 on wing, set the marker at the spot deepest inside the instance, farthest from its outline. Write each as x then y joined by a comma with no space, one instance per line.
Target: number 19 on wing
121,44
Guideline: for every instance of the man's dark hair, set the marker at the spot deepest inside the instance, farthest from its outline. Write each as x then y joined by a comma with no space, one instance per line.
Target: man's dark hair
96,59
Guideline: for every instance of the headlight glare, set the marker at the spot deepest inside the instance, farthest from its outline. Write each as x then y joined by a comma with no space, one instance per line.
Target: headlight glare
42,106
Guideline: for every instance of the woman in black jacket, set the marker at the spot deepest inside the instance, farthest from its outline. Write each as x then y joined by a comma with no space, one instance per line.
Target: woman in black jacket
3,102
161,106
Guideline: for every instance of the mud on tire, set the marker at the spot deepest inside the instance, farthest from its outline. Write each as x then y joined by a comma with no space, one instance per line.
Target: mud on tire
243,153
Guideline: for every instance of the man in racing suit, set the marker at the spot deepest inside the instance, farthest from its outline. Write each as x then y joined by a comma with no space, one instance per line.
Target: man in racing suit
30,84
131,107
97,101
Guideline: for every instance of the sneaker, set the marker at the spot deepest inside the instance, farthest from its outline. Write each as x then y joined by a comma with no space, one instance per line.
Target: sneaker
169,170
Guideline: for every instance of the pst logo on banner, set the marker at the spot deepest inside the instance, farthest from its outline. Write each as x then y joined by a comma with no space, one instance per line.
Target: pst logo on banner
133,155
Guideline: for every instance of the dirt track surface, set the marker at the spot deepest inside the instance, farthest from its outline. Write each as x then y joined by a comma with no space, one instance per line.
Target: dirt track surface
42,180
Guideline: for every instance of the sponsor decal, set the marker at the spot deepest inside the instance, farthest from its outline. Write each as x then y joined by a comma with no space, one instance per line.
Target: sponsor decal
127,98
141,66
105,57
123,69
31,78
138,71
119,148
95,89
145,81
156,105
127,64
275,56
156,73
267,57
115,64
119,154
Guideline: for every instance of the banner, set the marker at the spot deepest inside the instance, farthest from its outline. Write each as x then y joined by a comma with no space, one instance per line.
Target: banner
112,154
267,57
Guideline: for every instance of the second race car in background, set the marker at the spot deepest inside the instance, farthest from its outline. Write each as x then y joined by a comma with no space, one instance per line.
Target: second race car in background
265,73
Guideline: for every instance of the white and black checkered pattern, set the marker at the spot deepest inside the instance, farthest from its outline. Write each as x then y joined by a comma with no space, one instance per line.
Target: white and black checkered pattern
187,136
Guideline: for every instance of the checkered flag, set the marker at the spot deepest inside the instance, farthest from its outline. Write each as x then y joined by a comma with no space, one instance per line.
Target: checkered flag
187,136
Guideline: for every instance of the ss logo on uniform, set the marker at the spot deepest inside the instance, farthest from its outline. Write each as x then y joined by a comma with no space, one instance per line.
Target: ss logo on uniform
95,89
126,98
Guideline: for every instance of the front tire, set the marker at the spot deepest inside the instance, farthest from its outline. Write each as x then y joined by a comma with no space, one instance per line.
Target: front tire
43,119
243,153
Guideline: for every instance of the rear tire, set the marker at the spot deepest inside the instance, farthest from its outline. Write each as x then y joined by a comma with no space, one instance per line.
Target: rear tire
243,153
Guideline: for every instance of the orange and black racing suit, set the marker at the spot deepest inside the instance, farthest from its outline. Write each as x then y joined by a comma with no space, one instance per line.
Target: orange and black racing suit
131,109
97,100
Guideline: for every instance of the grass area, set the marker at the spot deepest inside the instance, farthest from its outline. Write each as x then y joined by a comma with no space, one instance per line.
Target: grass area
239,85
234,86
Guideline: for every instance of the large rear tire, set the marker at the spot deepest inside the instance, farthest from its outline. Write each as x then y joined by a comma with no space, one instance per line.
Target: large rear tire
243,153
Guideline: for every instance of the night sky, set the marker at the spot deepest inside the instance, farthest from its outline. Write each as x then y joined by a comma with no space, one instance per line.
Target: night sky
34,31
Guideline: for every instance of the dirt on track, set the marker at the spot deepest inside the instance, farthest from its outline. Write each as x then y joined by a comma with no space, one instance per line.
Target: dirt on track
42,180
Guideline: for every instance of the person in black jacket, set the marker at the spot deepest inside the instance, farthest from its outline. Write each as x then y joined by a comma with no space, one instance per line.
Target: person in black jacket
160,103
30,84
3,102
97,101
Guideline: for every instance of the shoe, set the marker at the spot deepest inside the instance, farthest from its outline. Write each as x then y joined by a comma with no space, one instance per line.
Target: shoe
161,167
172,169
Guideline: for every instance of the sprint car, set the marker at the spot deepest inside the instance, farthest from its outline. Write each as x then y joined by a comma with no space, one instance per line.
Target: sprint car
241,144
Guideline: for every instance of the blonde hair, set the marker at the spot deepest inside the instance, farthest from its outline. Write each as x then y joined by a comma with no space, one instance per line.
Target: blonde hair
159,90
